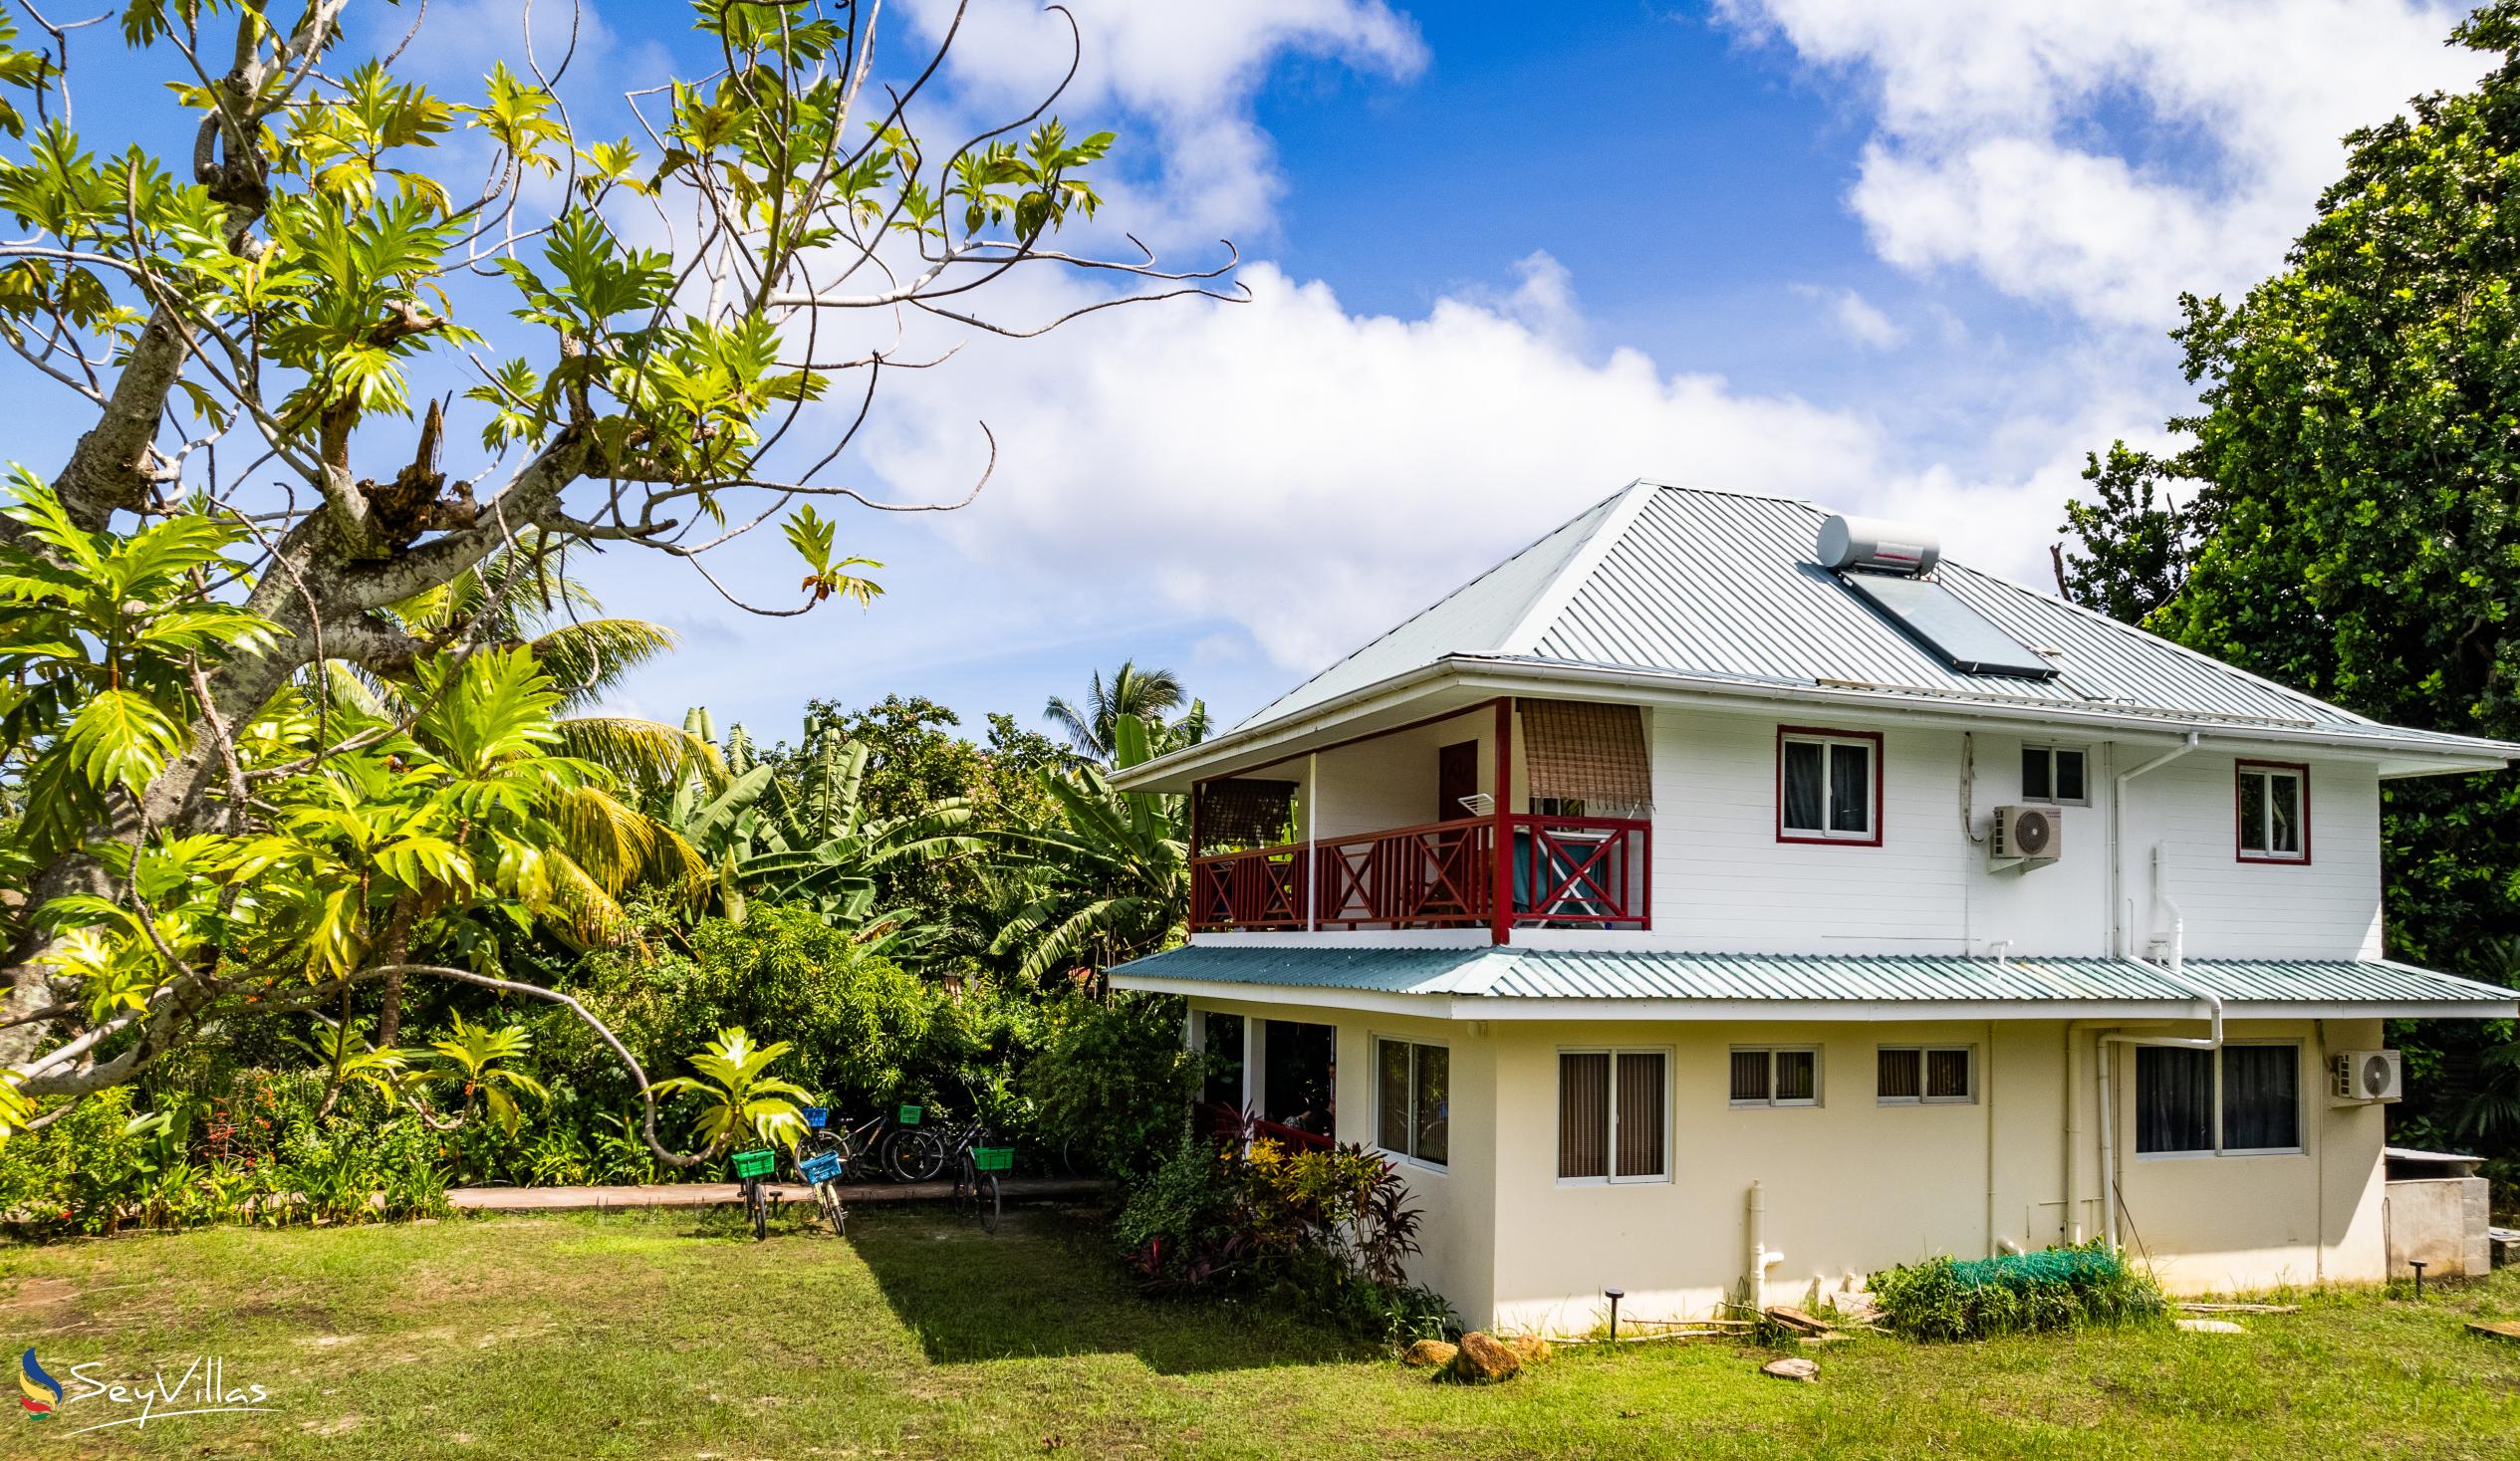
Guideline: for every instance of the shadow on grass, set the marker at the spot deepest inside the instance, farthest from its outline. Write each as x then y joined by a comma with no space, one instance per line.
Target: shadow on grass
1047,1285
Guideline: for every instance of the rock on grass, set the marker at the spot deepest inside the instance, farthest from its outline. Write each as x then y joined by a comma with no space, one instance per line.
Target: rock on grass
1483,1361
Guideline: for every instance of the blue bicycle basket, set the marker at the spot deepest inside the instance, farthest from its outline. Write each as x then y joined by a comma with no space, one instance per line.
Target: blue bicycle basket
818,1117
822,1167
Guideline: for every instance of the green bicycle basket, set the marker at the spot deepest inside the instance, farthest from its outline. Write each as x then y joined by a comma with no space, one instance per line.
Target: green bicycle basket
993,1158
911,1113
760,1162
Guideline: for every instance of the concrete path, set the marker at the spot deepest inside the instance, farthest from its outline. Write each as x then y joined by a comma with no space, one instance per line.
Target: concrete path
715,1194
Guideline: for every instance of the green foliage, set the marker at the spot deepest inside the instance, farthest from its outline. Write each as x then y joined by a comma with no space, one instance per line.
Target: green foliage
1111,1079
2057,1289
865,1032
1114,869
739,1099
1327,1230
2346,521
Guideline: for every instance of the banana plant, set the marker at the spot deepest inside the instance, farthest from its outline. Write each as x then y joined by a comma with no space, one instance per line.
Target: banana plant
1114,869
806,837
738,1094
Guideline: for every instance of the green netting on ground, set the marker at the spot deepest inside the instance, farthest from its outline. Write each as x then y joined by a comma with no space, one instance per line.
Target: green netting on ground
2058,1289
2072,1267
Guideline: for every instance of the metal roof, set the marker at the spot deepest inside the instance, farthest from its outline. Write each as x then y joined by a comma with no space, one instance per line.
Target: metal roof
1700,581
1508,973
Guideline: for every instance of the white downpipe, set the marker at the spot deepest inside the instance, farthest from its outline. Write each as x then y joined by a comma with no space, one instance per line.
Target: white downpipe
2212,1040
1762,1258
2121,915
2124,936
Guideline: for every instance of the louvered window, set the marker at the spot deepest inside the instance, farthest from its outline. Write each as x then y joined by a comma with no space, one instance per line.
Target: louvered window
1613,1115
1926,1074
1775,1076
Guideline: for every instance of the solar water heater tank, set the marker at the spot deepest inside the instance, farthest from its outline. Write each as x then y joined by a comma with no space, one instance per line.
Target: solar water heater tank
1878,546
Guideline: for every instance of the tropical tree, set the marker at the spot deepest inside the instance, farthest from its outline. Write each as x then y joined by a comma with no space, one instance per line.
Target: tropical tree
2343,517
1113,868
480,1064
738,1094
1145,694
275,308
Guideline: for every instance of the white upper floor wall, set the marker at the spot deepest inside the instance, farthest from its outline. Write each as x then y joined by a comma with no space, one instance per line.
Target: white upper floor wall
1725,878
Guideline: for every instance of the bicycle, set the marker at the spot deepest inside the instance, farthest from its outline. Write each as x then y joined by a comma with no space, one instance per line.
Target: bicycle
976,1168
895,1145
750,1167
822,1158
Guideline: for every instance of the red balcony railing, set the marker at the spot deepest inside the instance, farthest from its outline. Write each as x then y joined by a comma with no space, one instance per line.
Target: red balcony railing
1585,872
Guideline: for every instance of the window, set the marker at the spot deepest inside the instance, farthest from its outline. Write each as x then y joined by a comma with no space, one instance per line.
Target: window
1220,1037
2052,774
1613,1116
2257,1109
1828,786
2274,811
1413,1101
1776,1076
1931,1074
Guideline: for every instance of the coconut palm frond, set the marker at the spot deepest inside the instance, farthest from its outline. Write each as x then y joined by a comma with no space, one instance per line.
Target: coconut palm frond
648,754
593,655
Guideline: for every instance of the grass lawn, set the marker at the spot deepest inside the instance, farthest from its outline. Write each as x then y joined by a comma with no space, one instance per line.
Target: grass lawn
640,1336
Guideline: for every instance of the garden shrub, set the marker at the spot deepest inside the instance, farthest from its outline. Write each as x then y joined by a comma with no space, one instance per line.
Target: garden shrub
2026,1292
1329,1231
1111,1080
865,1032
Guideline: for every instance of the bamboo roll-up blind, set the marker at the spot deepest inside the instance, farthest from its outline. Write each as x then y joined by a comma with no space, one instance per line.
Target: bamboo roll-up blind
1594,754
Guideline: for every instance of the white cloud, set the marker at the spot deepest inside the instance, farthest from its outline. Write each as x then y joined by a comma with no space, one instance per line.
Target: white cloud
1315,475
1189,68
1857,318
2006,134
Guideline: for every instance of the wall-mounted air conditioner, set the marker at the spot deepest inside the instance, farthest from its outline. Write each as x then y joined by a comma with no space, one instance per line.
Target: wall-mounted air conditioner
2369,1075
2026,834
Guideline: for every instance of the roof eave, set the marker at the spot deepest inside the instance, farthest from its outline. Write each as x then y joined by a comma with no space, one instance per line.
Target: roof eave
2418,755
1445,1004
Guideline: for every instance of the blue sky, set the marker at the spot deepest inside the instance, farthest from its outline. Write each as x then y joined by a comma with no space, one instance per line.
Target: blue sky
1905,255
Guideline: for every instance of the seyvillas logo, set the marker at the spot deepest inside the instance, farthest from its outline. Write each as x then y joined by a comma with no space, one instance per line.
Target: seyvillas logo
38,1392
200,1388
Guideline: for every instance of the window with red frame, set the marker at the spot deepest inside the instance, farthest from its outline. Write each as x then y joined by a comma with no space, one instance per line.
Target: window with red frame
1828,786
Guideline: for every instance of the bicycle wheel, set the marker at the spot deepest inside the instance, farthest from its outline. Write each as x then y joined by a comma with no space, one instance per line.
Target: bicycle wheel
967,1185
757,1207
986,1199
833,1208
916,1155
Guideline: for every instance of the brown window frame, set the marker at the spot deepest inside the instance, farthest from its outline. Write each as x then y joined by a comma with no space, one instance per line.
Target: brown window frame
2240,769
1824,735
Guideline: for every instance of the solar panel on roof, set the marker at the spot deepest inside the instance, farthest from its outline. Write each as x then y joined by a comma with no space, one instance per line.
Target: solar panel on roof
1935,618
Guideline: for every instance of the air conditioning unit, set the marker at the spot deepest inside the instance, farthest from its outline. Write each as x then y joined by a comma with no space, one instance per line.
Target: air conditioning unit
2027,835
2369,1074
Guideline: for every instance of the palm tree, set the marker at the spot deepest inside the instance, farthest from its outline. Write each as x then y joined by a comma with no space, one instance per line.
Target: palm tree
1145,694
1115,870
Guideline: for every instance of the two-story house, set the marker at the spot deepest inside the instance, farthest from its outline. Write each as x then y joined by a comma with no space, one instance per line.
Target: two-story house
1717,893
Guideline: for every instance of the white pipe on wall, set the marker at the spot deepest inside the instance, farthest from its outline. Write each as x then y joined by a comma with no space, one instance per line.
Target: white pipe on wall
2211,1041
2124,937
1761,1258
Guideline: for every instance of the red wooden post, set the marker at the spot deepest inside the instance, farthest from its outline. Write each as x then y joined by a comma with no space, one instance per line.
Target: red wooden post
1196,891
1500,915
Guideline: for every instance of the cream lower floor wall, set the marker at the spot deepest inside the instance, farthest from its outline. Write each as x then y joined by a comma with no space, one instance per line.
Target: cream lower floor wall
1850,1185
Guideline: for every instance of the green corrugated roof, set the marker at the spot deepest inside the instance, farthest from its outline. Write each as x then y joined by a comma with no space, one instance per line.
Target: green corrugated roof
1517,973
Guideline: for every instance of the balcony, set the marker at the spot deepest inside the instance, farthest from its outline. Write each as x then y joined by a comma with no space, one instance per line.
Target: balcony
1562,872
